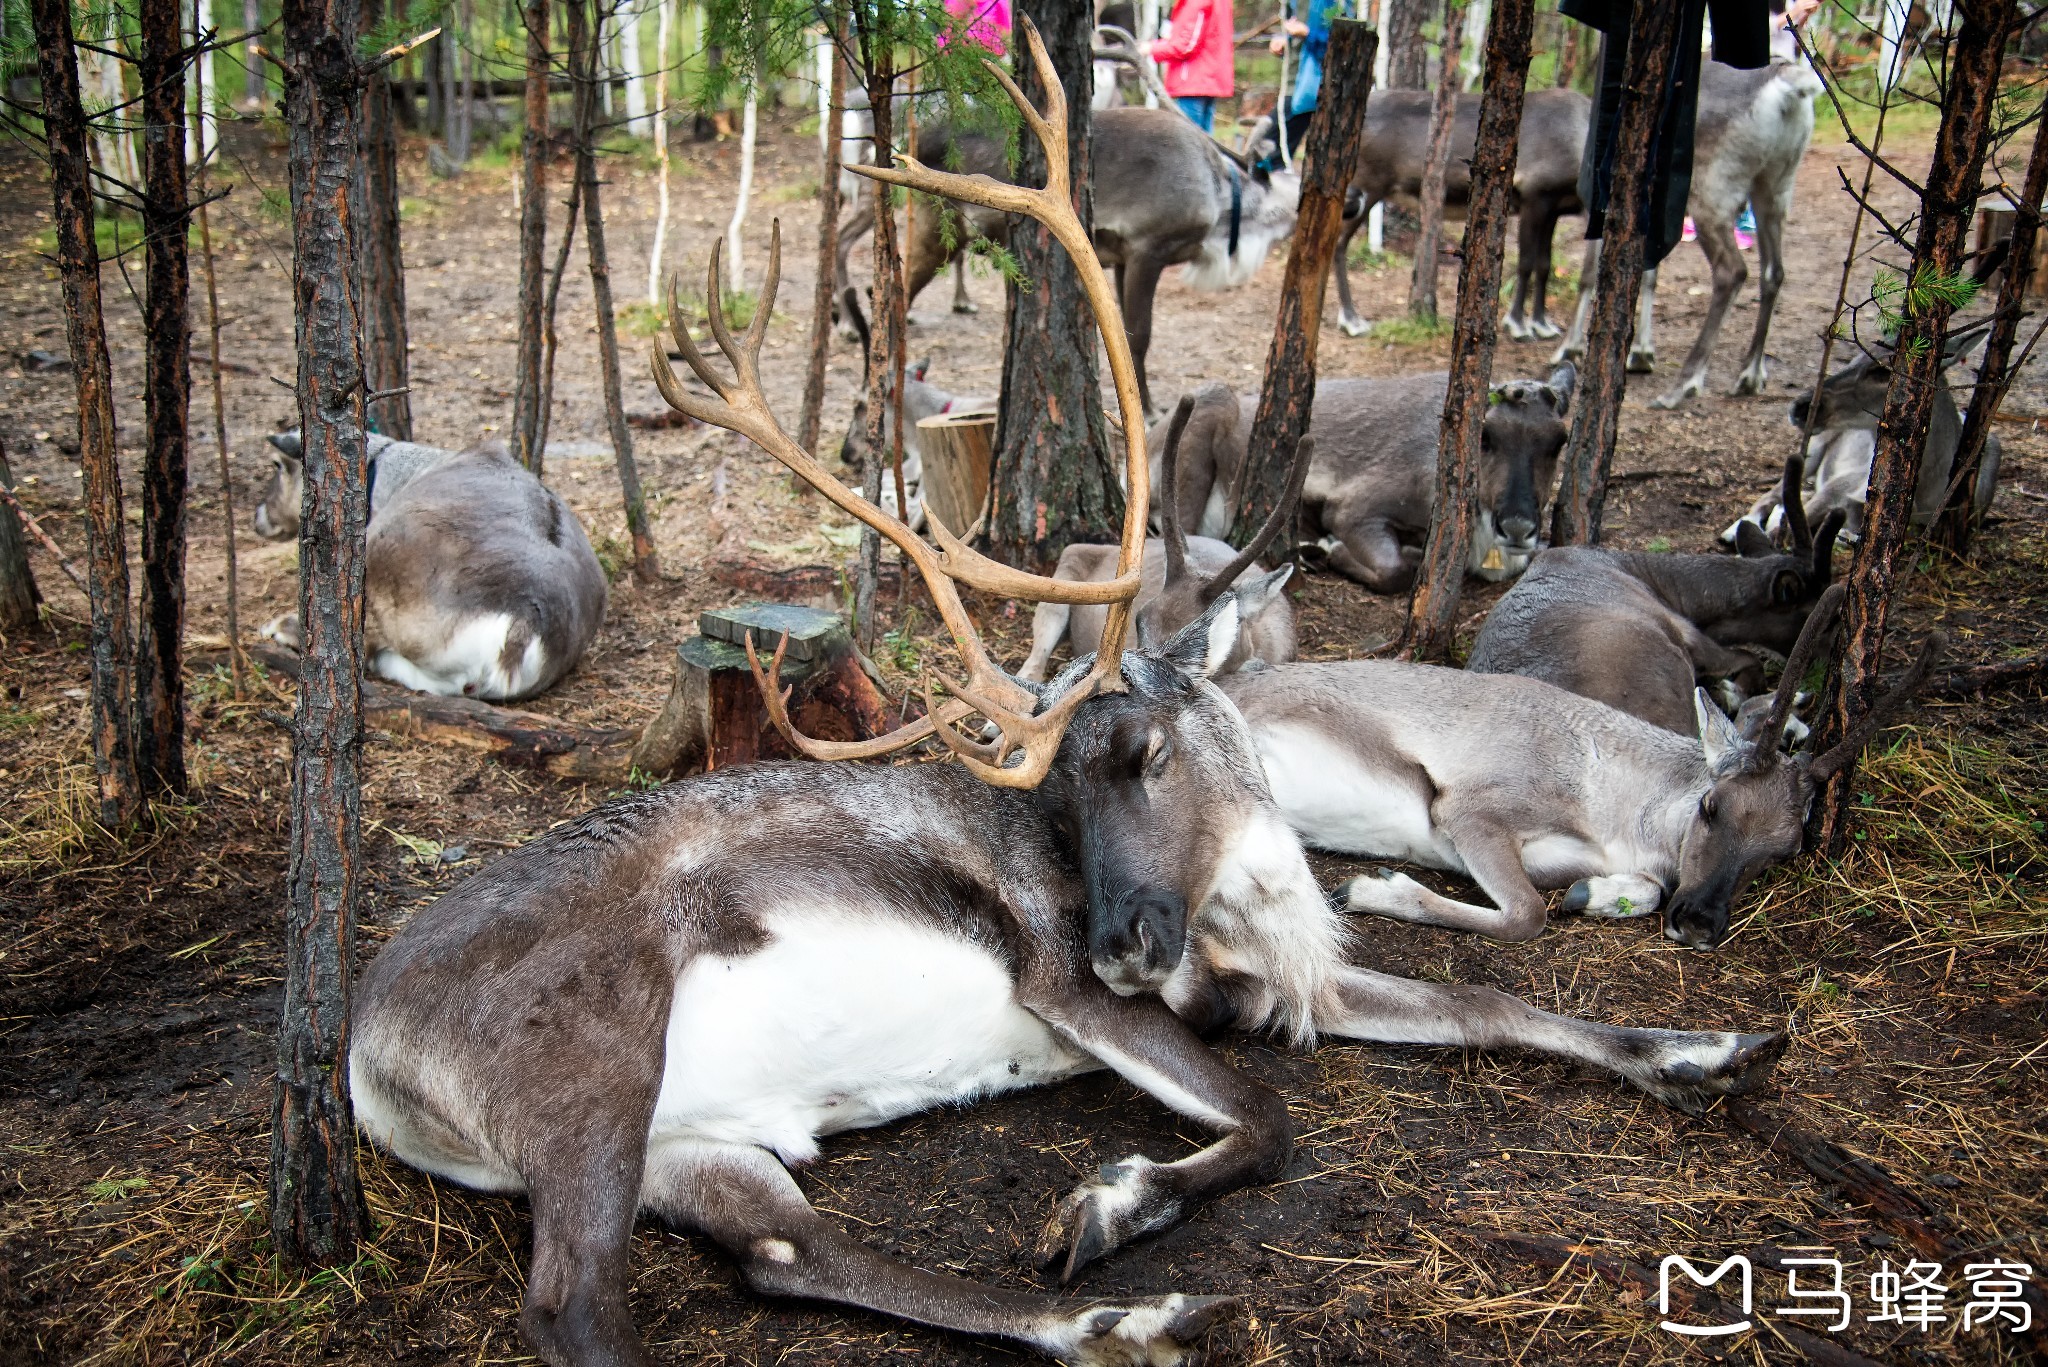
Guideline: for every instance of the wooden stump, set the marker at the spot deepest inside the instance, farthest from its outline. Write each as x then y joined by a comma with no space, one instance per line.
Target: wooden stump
714,713
959,453
1993,222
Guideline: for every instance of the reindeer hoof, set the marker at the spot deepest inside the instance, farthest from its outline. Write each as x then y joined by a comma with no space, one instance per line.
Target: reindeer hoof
283,630
1641,362
967,306
1351,325
1155,1332
1694,1073
1577,896
1678,395
1543,330
1751,381
1103,1215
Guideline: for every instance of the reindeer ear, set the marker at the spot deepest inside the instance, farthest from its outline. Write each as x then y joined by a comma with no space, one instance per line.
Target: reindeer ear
1256,594
917,372
1718,736
1203,646
1564,382
1751,541
1787,586
289,443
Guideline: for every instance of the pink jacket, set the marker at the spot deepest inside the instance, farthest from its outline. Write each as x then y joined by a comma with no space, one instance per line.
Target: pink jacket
988,21
1198,56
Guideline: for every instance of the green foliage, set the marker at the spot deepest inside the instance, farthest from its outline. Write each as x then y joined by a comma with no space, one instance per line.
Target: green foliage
1411,331
1660,545
614,556
1899,301
642,319
403,26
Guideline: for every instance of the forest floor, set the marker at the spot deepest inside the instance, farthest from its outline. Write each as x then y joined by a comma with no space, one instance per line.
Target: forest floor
139,980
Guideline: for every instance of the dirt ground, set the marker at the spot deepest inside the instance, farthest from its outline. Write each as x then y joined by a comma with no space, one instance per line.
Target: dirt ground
139,981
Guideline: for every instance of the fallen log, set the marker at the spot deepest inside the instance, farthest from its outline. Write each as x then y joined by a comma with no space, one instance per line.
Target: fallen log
1981,679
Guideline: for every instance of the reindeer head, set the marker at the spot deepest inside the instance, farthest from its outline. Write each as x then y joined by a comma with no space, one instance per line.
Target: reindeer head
277,515
1753,813
1854,396
1769,603
1524,431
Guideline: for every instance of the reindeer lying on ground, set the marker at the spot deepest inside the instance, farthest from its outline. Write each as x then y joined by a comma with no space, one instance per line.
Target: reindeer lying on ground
1522,786
1181,576
479,580
1844,445
1369,494
1638,631
1166,194
659,1006
1752,134
1551,144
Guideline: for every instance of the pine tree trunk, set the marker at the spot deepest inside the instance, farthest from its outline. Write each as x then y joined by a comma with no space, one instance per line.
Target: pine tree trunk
811,420
20,601
583,34
1436,165
1968,110
1582,490
1054,481
527,441
316,1207
78,268
1330,150
167,400
1958,524
881,84
1433,610
1408,54
383,256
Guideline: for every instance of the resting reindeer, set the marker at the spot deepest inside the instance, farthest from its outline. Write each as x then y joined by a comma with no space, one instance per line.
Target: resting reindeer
1522,786
1181,576
1550,145
1844,445
1638,631
478,581
659,1006
1369,495
1165,193
1752,134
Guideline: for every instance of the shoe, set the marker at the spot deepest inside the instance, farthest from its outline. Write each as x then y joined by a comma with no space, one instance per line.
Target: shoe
1691,234
1745,239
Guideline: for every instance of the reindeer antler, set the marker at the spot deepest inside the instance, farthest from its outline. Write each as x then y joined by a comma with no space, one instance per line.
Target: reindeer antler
1283,512
740,405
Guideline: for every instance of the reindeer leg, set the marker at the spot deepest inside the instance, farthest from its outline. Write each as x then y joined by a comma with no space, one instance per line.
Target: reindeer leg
1139,282
1366,550
1770,257
1492,856
1347,314
1537,265
1717,240
1048,628
1154,1049
746,1200
1685,1069
1574,345
1642,348
575,1312
962,303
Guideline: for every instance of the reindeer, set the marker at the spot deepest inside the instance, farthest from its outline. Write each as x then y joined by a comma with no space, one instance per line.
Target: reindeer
1751,136
479,580
1844,444
1639,631
1407,761
1369,496
1551,144
662,1005
1180,577
921,399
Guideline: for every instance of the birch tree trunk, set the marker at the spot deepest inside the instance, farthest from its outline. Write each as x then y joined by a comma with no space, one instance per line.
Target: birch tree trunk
203,129
1436,164
78,268
1433,610
105,94
533,234
1582,487
1968,110
735,244
167,396
316,1205
634,59
811,420
254,87
1328,153
667,10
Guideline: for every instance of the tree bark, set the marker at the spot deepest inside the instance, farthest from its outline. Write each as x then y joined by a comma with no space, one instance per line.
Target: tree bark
527,441
664,19
1968,109
316,1208
812,418
584,32
78,268
254,86
1408,54
1054,481
238,661
1433,610
20,601
167,400
1958,522
1582,492
881,87
1436,166
1329,152
383,256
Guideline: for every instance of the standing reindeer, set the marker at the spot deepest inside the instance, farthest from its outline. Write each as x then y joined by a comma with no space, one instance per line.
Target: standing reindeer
1180,578
1639,631
662,1005
1522,786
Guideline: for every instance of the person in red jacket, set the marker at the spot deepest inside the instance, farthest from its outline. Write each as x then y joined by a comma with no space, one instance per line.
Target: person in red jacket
1198,58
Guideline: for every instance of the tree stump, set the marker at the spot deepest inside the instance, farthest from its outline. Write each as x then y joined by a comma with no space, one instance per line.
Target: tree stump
714,714
959,453
1994,223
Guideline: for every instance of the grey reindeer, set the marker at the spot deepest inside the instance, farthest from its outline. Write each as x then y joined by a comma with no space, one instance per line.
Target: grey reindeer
1181,575
1640,631
661,1006
1522,787
479,580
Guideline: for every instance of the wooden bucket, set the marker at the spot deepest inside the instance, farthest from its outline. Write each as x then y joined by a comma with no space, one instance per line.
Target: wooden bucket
959,454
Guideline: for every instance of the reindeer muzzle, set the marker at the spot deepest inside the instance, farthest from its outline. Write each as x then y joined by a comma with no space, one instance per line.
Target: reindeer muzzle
1136,942
1697,922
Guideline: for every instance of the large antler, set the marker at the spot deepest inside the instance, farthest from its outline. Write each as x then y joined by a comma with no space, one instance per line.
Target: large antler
741,405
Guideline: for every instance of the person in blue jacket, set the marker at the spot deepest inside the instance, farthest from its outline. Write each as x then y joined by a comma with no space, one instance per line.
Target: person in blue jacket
1314,33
